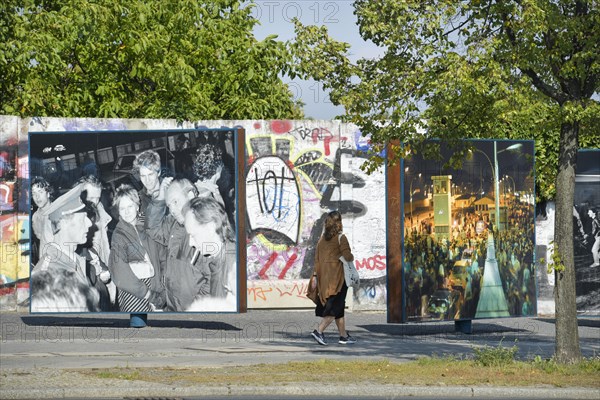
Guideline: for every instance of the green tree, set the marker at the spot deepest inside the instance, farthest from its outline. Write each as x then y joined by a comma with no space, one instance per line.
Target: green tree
518,69
183,59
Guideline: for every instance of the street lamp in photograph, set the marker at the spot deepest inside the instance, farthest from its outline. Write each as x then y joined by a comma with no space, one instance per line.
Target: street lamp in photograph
494,178
514,191
512,147
410,190
508,200
494,166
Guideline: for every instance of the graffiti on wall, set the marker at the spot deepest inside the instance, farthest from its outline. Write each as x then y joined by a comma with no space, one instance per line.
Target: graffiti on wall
270,293
296,173
15,248
274,197
14,220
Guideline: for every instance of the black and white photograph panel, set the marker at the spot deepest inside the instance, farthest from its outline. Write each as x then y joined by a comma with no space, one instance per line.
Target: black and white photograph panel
586,232
133,221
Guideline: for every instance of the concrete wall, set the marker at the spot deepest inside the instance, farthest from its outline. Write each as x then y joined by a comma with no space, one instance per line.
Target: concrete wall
14,217
320,167
544,237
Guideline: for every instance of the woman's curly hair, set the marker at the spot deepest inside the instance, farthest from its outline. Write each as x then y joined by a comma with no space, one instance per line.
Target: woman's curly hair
207,162
333,225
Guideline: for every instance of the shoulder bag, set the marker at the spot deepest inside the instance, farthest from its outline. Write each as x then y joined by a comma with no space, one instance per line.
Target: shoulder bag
312,292
350,273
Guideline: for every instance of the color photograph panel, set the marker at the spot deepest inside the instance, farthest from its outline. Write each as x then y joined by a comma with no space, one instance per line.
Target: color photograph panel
133,221
469,234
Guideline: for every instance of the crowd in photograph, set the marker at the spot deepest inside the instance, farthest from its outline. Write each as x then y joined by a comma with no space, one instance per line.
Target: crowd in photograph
444,276
169,246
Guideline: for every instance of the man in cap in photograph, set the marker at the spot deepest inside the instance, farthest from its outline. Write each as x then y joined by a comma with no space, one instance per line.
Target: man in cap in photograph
97,249
70,224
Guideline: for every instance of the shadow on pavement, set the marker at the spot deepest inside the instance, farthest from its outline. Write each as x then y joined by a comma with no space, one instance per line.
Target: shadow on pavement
591,322
373,347
433,329
124,323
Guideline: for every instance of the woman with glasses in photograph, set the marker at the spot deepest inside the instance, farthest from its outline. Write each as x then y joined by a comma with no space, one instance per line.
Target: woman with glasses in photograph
134,258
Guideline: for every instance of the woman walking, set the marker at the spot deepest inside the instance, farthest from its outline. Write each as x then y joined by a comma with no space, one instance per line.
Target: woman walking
329,271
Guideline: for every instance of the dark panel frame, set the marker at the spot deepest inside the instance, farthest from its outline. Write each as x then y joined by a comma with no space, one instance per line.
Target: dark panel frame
394,238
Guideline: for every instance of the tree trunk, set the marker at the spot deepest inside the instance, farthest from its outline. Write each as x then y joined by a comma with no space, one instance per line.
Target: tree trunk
567,334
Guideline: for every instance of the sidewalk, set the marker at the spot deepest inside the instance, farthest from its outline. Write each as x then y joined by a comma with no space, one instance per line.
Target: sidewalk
39,353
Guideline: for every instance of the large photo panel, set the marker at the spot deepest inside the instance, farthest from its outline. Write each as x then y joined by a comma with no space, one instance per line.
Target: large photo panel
134,221
586,231
469,233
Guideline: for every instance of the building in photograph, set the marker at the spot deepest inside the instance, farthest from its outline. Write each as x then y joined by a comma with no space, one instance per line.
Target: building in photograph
442,206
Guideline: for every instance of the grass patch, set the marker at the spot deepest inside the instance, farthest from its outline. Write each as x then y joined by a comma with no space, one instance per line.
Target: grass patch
445,370
125,374
495,356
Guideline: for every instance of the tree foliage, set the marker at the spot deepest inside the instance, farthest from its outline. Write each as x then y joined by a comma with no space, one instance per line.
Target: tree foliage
515,69
184,59
466,70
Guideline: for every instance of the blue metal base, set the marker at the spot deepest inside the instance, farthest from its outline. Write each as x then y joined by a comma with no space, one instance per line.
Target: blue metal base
463,326
137,320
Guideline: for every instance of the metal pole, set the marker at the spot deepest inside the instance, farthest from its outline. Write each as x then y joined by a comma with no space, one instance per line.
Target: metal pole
496,188
411,210
514,185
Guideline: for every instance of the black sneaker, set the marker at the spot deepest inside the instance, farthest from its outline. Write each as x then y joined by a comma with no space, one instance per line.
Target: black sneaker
347,340
319,337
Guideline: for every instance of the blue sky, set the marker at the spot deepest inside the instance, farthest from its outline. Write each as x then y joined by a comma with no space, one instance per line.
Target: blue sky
275,17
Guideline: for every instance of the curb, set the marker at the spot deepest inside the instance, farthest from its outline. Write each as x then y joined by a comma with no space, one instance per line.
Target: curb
394,391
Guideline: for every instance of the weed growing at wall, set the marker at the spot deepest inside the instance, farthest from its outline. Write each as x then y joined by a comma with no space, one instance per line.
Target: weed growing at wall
495,356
